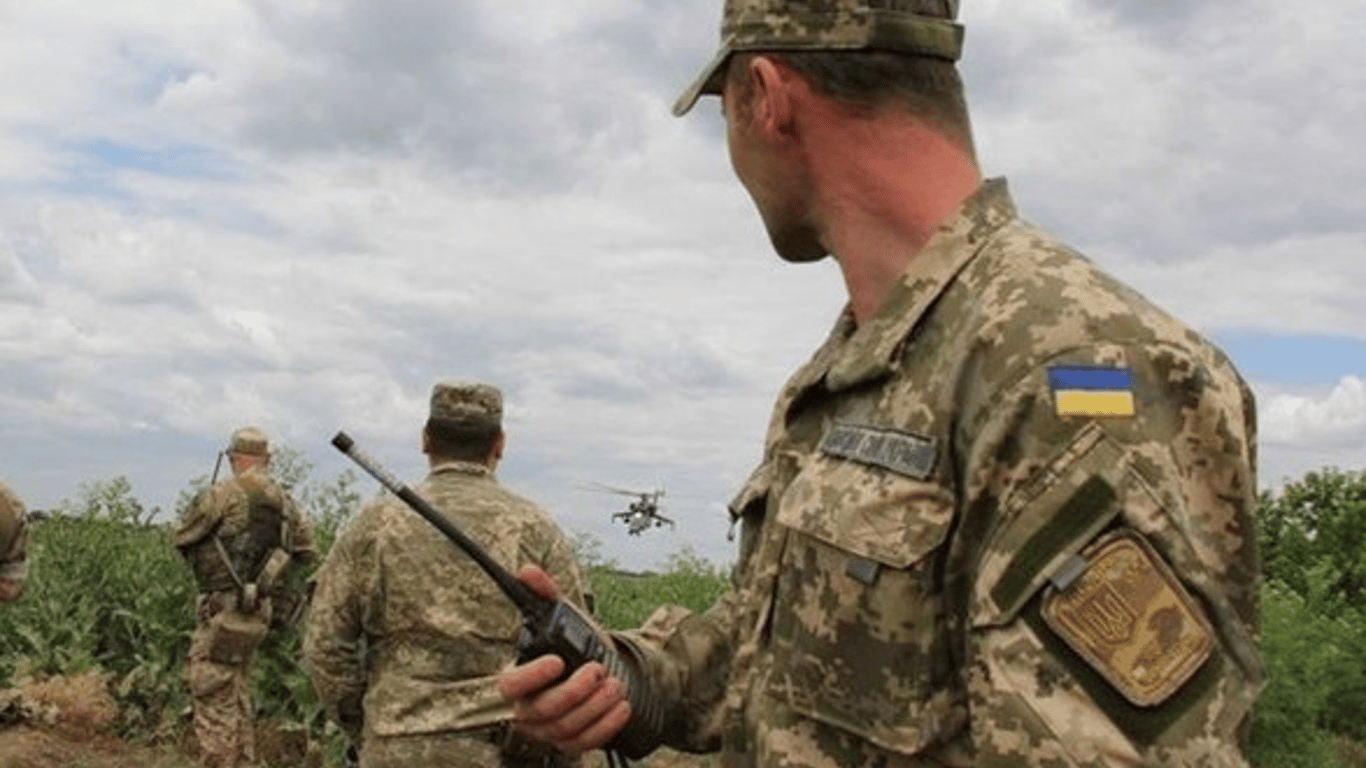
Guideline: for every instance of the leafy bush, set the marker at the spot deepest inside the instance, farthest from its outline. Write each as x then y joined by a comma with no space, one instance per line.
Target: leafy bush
109,595
625,600
1313,540
1318,521
106,592
1304,654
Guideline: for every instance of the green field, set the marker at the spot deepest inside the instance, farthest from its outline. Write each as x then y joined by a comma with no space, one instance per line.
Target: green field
109,595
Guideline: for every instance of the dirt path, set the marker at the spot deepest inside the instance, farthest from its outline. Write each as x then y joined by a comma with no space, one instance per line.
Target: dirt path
26,746
68,723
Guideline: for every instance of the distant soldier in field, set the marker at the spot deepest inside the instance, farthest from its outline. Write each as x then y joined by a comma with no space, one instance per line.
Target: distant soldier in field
406,634
13,540
241,537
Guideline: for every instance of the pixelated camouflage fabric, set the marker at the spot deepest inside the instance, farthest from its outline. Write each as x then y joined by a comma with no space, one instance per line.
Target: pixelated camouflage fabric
885,613
406,633
224,510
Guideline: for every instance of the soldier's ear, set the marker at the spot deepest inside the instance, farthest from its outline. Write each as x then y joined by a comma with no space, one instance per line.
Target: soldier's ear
426,441
772,94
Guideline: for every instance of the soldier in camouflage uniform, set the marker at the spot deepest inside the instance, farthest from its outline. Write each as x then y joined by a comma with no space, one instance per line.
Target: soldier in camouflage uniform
406,633
13,543
1003,513
241,537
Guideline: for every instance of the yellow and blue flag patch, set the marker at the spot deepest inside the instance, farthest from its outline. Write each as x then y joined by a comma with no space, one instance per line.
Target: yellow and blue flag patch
1080,390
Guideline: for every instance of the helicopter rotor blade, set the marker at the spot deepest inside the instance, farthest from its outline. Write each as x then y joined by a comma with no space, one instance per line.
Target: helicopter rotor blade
600,488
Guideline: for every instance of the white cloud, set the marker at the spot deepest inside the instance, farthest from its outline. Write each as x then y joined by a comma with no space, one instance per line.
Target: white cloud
215,212
1163,134
1336,417
1307,429
1300,284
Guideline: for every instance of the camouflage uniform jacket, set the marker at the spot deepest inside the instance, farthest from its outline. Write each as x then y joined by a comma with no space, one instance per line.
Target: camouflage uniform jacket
224,510
406,634
13,536
921,486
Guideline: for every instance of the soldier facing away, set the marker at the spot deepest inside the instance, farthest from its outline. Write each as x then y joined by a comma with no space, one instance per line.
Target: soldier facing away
13,544
407,634
1003,513
242,538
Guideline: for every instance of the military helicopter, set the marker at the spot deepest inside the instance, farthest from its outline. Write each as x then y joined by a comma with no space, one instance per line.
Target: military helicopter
639,514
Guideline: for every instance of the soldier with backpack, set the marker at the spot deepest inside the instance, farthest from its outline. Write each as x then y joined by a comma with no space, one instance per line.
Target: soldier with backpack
241,538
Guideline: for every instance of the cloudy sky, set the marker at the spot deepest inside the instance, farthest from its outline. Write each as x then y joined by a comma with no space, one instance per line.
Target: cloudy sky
301,215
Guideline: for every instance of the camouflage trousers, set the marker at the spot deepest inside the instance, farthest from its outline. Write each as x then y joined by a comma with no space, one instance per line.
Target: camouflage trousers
222,724
483,749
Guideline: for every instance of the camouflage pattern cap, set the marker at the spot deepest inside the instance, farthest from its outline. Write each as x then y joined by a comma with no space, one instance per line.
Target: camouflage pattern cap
464,401
787,25
249,441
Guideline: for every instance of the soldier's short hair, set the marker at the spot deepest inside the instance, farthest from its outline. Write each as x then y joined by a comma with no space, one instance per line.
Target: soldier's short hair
865,80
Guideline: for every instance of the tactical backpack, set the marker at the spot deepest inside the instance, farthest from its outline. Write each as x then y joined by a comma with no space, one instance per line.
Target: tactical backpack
255,557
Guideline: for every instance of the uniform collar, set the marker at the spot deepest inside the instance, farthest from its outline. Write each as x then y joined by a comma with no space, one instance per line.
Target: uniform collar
870,351
462,467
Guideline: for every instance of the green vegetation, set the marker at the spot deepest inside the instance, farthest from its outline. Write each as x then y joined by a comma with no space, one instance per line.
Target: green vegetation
1313,538
624,600
108,594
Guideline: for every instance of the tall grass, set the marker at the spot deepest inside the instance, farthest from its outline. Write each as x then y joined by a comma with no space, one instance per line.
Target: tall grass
108,593
624,600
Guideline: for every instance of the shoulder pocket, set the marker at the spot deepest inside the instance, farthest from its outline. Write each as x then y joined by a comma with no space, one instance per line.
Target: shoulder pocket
1090,570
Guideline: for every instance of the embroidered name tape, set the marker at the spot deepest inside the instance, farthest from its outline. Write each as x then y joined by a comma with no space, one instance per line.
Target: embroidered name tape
1091,391
905,453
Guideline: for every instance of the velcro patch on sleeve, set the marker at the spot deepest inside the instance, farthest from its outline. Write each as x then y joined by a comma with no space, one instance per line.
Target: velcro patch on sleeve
1131,620
1080,390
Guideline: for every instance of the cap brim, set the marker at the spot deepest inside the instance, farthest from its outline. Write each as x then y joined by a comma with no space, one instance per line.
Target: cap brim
705,82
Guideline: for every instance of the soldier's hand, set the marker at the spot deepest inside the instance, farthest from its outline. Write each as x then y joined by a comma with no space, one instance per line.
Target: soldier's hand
539,582
579,714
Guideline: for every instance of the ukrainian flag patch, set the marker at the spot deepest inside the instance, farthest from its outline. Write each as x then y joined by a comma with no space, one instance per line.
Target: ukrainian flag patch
1080,390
